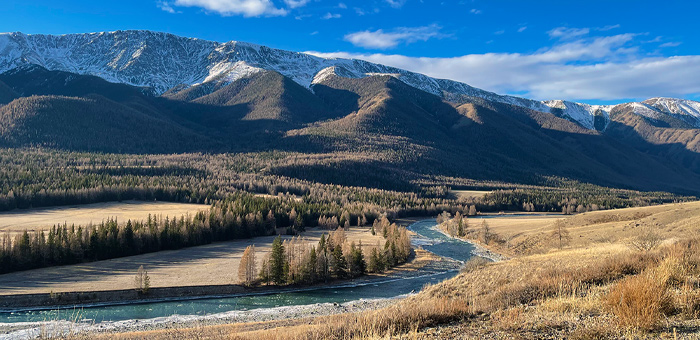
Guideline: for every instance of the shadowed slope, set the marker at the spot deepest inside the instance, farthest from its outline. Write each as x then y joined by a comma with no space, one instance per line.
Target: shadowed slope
92,123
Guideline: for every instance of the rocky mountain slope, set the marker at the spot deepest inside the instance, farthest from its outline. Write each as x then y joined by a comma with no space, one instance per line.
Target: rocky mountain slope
163,63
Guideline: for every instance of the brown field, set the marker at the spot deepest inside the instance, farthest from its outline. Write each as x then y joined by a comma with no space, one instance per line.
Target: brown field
45,218
294,197
469,193
532,234
598,287
214,264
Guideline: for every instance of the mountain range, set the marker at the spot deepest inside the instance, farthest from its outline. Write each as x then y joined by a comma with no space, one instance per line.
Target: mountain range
151,92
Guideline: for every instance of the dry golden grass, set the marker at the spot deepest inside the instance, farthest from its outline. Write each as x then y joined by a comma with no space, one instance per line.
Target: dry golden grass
45,218
592,289
640,302
531,234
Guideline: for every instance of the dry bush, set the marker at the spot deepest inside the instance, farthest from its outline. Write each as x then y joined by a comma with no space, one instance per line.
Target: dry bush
640,302
567,282
647,239
509,319
403,317
475,263
592,333
687,302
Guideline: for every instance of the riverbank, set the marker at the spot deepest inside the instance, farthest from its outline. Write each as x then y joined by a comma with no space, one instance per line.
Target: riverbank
255,319
479,250
421,263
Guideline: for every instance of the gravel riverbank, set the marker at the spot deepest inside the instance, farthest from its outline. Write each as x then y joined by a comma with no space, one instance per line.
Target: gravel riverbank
33,330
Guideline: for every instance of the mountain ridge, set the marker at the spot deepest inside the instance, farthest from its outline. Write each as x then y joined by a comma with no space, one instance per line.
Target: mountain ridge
166,63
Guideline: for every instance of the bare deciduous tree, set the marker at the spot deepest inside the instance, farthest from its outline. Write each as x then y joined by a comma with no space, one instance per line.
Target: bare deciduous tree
560,234
247,268
142,281
646,240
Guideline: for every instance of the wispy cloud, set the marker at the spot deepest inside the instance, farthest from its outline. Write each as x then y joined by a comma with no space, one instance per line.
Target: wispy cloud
296,3
671,44
475,11
396,3
602,68
330,15
166,7
608,27
522,29
387,39
566,33
246,8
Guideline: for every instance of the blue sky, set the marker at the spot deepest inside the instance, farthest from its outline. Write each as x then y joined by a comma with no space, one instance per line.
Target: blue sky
591,51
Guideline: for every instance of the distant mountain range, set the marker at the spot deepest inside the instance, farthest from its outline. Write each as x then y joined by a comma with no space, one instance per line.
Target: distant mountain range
164,62
142,91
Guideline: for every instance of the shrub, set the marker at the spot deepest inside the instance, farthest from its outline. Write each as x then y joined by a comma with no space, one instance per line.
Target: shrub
640,302
646,240
475,263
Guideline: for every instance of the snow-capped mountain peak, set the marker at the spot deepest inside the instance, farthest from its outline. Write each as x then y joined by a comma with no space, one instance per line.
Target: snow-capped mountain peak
163,61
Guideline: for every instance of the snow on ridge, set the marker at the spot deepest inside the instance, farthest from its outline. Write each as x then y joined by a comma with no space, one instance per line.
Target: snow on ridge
163,61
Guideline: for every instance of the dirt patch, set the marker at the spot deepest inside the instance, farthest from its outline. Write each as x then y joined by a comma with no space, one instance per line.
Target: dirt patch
468,194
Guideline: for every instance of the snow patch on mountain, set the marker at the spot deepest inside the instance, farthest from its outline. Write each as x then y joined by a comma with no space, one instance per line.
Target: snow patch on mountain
686,110
645,110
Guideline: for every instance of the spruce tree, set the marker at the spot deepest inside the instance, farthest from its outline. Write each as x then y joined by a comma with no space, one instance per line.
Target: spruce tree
277,262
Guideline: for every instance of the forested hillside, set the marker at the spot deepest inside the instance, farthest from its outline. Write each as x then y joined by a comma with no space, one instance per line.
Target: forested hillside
374,131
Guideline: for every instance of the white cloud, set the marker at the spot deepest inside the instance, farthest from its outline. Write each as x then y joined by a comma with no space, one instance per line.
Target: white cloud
296,3
608,27
670,44
604,68
247,8
331,16
566,33
166,7
396,3
383,40
475,11
342,5
522,29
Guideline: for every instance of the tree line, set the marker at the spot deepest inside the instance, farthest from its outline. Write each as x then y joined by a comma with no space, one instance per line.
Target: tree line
237,217
297,261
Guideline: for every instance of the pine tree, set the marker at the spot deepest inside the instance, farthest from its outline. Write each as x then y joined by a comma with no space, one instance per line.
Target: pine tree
374,262
278,262
358,265
338,264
